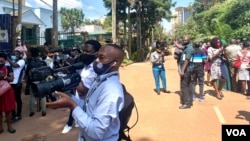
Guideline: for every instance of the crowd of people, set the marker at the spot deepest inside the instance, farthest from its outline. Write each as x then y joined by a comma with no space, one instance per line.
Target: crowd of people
217,58
94,108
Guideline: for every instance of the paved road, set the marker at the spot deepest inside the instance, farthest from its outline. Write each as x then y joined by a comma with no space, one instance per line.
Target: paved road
159,116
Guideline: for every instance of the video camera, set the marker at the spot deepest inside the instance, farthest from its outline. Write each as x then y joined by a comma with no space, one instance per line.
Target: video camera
62,79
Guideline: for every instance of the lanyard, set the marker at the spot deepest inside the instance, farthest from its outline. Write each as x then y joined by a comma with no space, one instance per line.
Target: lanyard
92,90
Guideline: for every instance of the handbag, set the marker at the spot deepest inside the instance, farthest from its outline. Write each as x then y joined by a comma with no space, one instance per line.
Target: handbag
237,63
4,85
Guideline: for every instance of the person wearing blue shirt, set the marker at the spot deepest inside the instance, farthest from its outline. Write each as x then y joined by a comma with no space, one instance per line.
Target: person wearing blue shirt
98,114
199,60
90,49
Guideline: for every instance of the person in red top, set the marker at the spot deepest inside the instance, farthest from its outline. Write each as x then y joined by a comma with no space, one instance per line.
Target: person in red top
7,100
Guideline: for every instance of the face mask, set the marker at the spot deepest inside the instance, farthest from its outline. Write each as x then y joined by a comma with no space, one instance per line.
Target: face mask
101,68
1,65
87,58
13,58
19,43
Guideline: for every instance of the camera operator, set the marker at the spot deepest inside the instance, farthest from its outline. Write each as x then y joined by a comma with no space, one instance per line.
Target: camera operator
18,66
47,59
35,62
90,49
75,54
98,114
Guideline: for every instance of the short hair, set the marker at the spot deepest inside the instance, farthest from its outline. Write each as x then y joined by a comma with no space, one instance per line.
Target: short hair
77,49
4,56
96,45
245,44
34,52
18,52
118,48
197,44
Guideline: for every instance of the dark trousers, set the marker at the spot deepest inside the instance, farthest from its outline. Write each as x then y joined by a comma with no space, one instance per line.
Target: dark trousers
17,91
71,119
186,89
198,78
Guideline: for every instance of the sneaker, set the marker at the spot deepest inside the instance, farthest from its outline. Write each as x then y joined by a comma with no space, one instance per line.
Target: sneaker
16,119
194,98
201,99
31,114
77,125
43,113
66,129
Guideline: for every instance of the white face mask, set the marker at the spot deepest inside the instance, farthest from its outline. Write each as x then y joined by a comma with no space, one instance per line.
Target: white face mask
13,58
19,43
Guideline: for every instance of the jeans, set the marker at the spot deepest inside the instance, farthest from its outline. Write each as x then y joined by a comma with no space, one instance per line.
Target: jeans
198,78
159,73
19,104
42,102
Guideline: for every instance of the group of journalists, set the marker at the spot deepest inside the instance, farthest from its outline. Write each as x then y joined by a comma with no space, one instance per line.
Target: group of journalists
72,75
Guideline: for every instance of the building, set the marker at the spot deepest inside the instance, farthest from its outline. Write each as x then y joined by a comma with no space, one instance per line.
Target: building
181,15
34,21
94,32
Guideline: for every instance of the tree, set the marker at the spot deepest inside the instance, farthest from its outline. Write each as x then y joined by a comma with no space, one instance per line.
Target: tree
107,24
226,19
88,22
71,18
147,14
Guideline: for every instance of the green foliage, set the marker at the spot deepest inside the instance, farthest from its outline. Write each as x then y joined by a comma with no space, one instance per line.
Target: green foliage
226,19
243,33
107,24
127,61
71,18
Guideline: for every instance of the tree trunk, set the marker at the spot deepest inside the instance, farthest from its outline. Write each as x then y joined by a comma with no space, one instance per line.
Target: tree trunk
114,32
55,24
129,32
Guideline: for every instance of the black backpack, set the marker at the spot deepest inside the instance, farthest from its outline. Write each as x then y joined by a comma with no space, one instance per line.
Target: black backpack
125,114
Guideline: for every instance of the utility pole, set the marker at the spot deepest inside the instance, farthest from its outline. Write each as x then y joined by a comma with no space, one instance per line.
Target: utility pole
130,31
55,25
13,29
19,18
114,21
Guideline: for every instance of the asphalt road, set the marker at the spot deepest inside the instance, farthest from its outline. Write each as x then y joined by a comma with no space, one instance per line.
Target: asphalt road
159,118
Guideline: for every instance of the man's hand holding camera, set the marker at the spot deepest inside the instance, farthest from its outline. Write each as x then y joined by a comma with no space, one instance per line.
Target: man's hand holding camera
64,101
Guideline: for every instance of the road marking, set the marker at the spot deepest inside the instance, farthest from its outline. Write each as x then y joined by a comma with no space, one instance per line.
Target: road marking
219,115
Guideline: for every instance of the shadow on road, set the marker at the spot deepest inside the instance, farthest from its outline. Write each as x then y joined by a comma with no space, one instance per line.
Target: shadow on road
243,115
145,139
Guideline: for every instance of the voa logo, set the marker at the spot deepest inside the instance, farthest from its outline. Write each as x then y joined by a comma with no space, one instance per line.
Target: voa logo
236,132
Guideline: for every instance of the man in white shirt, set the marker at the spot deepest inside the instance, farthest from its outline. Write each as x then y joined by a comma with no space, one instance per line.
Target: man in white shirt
18,66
